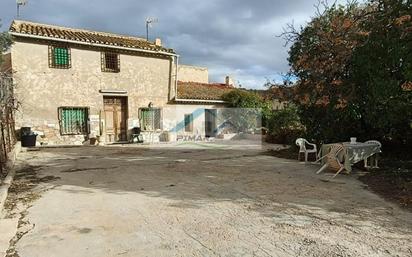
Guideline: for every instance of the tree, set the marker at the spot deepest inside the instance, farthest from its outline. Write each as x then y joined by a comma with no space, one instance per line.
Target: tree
284,125
351,62
5,43
248,110
381,66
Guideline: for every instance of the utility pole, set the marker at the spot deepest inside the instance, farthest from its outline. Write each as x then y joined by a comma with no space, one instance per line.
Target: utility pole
149,22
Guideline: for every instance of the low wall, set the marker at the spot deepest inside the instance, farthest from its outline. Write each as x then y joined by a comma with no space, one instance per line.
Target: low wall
50,135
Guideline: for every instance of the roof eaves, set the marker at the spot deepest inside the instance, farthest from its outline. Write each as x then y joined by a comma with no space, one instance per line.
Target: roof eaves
184,100
51,32
171,53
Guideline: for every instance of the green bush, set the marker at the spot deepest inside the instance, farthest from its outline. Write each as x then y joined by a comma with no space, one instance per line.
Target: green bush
284,126
5,42
251,108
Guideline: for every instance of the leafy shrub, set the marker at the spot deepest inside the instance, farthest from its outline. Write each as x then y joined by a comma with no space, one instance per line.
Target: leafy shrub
249,111
285,126
5,42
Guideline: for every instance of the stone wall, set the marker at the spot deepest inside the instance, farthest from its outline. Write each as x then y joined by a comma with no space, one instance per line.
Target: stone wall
41,90
193,74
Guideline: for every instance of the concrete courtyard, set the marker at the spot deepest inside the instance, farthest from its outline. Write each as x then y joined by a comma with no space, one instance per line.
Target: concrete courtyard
208,200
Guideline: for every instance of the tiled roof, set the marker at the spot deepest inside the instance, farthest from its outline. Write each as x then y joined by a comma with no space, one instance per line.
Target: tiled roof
86,36
201,91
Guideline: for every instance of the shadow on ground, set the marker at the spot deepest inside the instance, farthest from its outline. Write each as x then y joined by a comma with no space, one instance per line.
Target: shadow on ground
193,177
201,202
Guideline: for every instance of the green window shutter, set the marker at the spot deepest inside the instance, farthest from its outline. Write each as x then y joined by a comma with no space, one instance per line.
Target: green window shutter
144,114
61,56
150,119
146,119
73,121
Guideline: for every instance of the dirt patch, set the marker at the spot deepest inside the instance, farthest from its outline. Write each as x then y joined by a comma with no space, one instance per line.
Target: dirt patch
78,170
287,153
226,203
393,181
21,189
3,174
84,230
231,157
21,195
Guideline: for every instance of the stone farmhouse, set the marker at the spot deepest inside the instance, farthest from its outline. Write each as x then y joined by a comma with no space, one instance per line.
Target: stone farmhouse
75,84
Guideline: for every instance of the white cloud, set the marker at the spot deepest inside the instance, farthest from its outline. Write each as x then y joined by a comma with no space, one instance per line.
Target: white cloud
228,36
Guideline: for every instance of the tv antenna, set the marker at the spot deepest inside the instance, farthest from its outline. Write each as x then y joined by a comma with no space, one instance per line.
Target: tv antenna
20,3
149,23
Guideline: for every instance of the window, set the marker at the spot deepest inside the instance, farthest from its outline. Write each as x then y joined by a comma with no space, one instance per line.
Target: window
73,120
150,119
188,122
110,62
59,57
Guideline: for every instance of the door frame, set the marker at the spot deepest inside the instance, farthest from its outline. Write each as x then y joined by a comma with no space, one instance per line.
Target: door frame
125,114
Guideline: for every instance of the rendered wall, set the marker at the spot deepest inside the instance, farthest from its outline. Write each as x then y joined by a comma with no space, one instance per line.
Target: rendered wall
40,90
193,74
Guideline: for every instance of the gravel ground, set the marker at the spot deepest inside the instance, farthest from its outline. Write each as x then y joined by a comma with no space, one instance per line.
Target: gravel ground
207,201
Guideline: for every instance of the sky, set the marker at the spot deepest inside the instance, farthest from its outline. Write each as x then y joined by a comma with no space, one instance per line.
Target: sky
238,38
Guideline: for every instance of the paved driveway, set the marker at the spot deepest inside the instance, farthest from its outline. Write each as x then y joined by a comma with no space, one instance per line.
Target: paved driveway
122,201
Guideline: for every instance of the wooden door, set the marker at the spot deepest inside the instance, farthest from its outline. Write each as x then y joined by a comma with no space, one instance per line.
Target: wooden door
115,112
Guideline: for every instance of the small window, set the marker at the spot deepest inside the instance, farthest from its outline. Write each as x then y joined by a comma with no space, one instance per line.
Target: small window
150,119
73,120
188,122
110,62
59,57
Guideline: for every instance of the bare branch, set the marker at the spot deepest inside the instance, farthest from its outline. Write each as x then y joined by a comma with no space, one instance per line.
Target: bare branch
290,33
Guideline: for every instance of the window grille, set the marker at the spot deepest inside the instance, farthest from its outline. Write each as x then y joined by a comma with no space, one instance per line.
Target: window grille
150,119
59,57
110,62
188,122
73,120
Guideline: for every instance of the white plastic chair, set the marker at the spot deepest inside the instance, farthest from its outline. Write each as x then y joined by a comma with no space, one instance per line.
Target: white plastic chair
374,160
332,160
301,142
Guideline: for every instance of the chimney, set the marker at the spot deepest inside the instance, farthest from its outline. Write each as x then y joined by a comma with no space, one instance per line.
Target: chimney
229,81
158,42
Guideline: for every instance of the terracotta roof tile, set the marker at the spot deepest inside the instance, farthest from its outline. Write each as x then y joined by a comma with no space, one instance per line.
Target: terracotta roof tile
202,91
81,35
